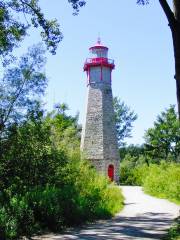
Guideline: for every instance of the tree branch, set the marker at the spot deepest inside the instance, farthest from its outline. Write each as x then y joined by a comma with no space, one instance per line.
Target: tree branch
169,13
17,94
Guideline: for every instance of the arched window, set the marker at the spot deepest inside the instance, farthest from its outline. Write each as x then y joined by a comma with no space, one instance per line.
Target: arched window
111,172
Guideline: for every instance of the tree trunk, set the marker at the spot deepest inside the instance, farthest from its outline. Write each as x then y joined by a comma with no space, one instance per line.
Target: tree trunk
174,24
177,67
176,43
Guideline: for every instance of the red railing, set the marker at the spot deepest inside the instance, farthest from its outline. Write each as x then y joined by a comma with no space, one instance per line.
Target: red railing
99,60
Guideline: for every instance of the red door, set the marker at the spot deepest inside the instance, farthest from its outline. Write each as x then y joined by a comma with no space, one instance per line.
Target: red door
111,172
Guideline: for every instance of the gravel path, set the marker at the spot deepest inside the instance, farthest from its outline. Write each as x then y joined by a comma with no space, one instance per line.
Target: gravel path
143,217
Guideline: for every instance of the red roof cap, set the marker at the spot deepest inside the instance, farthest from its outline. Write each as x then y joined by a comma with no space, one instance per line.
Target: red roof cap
98,45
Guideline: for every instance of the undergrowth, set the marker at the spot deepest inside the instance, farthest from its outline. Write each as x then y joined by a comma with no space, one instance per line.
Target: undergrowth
174,231
160,180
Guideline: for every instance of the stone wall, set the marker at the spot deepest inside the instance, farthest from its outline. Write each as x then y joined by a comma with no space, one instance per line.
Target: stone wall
99,140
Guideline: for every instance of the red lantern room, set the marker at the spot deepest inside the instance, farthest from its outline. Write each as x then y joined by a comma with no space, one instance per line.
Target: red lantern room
99,57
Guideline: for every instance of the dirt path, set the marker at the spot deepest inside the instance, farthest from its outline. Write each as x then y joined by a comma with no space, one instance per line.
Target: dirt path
143,217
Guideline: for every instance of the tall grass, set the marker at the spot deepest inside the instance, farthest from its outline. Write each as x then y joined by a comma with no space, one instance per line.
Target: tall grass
161,180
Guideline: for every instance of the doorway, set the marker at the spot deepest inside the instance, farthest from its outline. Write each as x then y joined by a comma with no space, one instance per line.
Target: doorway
111,172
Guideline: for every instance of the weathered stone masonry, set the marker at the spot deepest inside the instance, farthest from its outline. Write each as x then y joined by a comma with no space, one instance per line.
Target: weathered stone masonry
99,139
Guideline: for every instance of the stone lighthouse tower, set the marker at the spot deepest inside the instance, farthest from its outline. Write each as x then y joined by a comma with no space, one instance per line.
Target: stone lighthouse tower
99,140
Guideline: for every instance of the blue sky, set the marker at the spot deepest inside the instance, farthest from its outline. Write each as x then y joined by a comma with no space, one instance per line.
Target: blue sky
139,41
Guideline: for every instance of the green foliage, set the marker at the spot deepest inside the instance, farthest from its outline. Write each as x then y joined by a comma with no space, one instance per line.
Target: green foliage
143,2
47,207
21,87
132,170
174,231
139,174
16,218
139,164
44,184
132,150
13,28
126,170
163,181
163,140
65,130
93,197
28,157
76,4
155,165
124,118
79,194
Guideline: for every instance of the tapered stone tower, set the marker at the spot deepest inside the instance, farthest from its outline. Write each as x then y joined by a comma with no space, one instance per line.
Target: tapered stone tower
99,139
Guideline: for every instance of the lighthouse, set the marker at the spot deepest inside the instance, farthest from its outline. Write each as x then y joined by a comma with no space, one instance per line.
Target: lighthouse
99,138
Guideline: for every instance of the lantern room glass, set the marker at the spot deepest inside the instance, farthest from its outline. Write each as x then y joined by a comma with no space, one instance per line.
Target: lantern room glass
99,53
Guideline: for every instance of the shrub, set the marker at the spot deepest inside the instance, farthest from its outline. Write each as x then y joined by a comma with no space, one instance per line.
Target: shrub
139,174
88,195
174,231
126,170
161,180
132,170
164,181
16,218
46,205
79,194
44,184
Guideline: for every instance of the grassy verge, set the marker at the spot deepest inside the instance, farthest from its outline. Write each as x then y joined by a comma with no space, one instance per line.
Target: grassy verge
174,231
160,180
163,181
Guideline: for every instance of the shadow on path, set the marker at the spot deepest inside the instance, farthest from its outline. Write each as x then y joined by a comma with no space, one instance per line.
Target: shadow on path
143,217
139,227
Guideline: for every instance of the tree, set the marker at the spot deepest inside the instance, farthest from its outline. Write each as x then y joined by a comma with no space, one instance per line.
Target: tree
163,140
61,108
13,29
21,86
26,153
65,130
173,18
124,118
133,150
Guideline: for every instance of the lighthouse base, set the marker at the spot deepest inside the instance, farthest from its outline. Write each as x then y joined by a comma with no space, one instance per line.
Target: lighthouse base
109,168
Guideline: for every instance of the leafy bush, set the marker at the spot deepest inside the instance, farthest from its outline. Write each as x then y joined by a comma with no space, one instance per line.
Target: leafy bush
139,174
163,181
16,218
174,231
46,205
163,139
87,194
132,170
78,195
44,183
